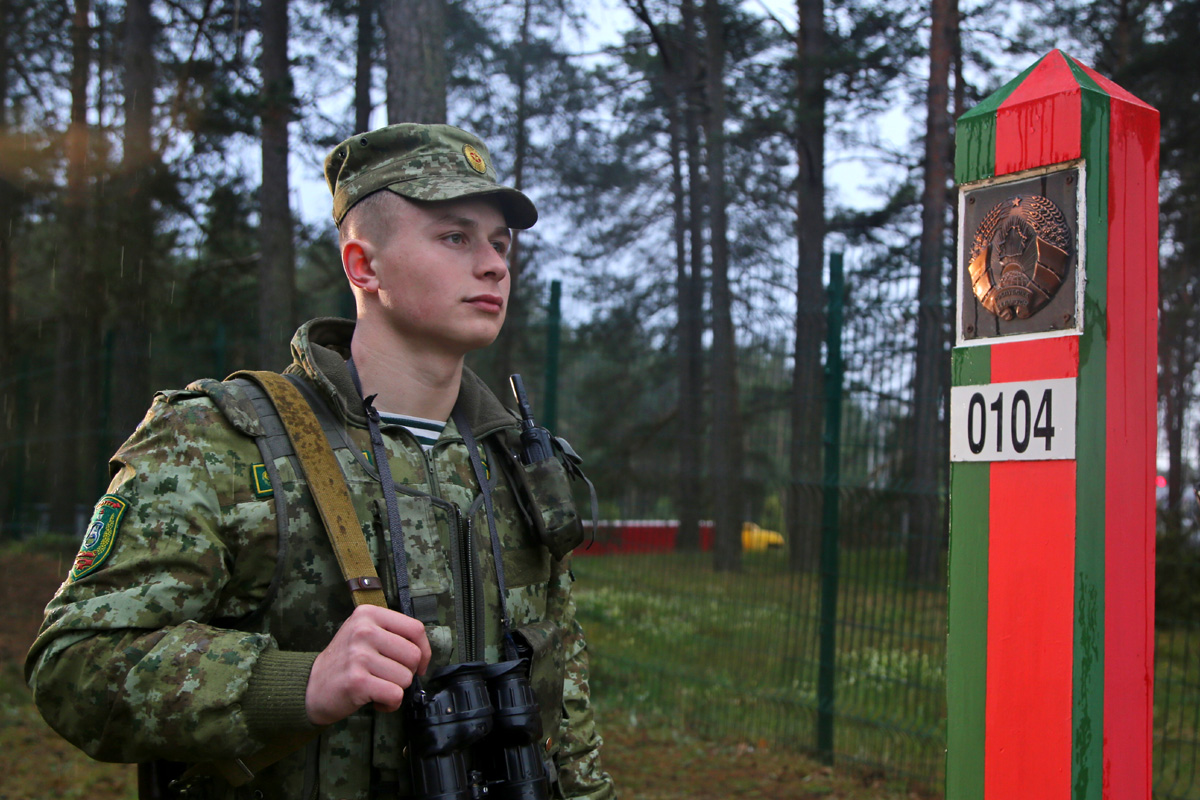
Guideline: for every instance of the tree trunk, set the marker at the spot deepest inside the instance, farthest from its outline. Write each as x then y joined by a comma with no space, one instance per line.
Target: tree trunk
806,457
1177,360
691,322
727,456
8,196
1128,33
277,273
512,337
680,87
415,35
131,290
1174,377
364,61
926,532
960,91
65,284
687,332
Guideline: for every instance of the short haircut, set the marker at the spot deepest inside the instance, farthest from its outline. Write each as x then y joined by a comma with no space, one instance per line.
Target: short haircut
364,219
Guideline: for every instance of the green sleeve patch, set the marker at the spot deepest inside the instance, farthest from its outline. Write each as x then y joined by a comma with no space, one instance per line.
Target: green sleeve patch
100,537
262,481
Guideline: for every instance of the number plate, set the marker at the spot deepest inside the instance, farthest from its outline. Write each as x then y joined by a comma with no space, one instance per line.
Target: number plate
1019,421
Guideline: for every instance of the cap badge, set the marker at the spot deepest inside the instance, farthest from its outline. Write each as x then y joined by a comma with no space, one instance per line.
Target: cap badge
474,159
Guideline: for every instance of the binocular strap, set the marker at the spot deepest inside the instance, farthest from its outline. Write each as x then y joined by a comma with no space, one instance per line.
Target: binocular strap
464,430
399,557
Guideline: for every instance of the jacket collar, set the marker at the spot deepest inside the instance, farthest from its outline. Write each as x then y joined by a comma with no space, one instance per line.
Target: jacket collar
319,352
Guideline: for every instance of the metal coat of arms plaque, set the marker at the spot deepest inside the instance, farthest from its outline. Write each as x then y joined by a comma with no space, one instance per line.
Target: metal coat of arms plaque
1019,256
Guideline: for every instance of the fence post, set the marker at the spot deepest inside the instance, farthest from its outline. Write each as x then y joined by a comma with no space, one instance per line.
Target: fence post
827,666
553,333
1052,436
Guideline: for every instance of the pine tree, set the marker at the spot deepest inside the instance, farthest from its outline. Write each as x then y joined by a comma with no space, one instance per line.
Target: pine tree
415,36
726,475
277,262
1164,72
136,260
71,340
929,391
364,60
804,498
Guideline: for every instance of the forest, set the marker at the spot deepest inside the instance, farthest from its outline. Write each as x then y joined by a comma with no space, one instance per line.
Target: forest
696,165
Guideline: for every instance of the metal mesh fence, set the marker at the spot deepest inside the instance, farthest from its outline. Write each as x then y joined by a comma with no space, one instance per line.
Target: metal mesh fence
1177,711
739,655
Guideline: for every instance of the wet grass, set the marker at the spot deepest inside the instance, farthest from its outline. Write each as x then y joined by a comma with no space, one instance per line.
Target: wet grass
736,655
733,657
1177,712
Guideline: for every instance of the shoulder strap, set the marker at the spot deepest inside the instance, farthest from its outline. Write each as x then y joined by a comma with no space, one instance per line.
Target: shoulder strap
327,485
332,498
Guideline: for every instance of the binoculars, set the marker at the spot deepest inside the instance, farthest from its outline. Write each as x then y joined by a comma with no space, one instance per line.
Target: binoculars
474,732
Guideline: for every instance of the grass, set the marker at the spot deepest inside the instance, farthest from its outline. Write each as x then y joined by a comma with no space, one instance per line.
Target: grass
733,657
1177,713
721,655
653,760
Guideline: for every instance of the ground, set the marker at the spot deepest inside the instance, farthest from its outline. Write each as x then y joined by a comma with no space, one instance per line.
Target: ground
648,762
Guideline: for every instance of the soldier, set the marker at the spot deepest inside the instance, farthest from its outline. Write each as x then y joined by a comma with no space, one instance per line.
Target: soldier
206,620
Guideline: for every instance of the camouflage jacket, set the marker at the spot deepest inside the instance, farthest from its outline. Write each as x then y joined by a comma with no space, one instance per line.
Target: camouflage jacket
190,620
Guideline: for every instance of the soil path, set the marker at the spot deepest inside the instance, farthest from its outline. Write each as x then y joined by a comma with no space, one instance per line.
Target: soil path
27,582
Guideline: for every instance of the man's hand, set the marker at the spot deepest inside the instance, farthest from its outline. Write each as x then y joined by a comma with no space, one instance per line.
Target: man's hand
372,659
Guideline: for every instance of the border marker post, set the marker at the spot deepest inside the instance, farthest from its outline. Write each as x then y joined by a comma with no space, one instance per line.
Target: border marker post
1053,420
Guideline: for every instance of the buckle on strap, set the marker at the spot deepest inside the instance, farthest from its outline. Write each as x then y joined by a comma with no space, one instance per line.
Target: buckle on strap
364,583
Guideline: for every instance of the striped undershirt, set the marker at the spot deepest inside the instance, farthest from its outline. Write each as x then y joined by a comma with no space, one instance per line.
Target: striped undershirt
426,431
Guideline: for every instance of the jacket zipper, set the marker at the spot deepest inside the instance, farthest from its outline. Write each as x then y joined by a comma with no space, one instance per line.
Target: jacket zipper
466,544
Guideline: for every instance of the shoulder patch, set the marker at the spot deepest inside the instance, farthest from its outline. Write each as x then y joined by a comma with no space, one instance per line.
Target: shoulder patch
262,481
100,537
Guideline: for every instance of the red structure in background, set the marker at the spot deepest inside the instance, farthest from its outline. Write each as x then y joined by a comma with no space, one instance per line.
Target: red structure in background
637,536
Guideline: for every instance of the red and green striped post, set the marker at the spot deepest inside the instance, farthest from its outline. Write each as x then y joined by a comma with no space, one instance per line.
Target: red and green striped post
1050,650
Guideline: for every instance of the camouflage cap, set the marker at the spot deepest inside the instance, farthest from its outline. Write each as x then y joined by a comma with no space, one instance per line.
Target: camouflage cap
420,162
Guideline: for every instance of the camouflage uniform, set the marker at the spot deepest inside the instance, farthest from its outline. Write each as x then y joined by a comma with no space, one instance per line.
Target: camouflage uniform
193,636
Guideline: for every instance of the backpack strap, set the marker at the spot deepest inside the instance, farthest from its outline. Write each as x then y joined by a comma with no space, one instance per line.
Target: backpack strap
247,407
327,485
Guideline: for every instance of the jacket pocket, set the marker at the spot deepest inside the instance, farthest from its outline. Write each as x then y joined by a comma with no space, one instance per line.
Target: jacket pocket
552,511
542,644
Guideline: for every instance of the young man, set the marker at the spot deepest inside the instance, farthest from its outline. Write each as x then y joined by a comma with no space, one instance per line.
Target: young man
206,619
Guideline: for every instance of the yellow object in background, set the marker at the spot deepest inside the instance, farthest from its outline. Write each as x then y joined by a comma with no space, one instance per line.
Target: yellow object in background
756,539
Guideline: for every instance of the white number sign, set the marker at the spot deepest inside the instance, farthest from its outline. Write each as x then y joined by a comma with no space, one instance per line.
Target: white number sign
1019,421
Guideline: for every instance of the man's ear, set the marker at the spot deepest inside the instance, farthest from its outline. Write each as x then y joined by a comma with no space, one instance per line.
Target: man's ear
358,263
